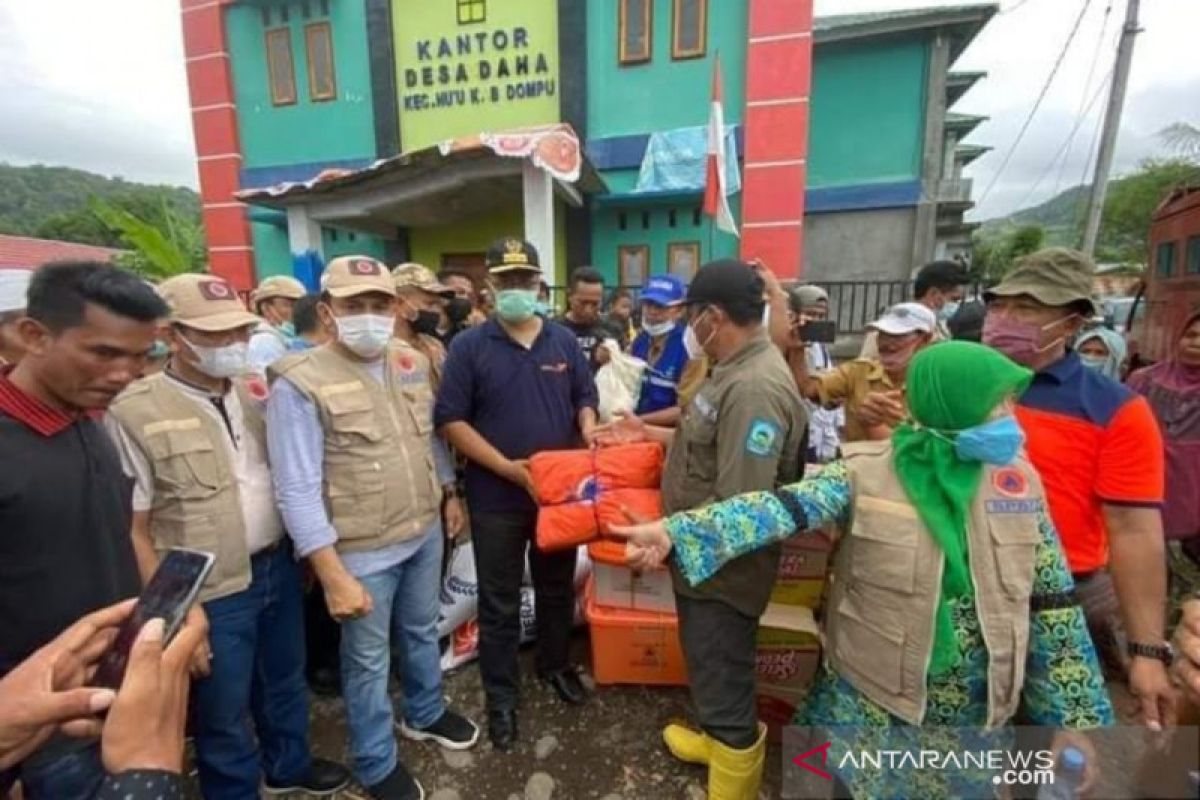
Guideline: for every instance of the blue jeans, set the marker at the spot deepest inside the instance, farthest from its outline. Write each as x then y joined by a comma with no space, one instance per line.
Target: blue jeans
71,773
257,640
406,604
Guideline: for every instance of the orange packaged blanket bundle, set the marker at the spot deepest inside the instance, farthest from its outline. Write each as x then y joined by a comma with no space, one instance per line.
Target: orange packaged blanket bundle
581,492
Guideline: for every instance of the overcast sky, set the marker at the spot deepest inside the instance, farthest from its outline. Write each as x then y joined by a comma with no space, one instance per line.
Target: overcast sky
100,85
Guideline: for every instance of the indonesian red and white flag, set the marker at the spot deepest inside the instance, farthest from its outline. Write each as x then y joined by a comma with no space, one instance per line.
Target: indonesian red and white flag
716,199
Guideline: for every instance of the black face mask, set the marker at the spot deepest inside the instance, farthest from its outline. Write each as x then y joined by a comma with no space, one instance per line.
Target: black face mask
426,322
458,309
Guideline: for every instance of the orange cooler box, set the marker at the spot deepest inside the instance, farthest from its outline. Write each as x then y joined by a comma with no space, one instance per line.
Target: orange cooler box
638,647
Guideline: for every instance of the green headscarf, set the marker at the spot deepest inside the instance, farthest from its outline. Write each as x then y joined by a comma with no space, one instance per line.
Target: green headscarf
949,387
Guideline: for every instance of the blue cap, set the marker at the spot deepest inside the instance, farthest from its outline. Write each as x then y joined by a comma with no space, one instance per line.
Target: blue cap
665,290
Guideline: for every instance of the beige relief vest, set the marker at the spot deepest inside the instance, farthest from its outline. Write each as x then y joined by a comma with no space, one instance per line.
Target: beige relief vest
888,575
196,499
380,485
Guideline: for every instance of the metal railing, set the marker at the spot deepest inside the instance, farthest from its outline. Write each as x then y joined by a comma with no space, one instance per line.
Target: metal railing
852,304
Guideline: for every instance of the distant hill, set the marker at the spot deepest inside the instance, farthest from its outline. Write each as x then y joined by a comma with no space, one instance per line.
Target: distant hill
1061,217
52,202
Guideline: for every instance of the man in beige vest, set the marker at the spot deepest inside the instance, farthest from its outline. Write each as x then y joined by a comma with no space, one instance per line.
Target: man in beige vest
421,302
274,300
193,440
360,481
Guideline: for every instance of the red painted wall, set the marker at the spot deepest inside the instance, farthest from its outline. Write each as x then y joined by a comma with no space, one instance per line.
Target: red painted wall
218,151
778,83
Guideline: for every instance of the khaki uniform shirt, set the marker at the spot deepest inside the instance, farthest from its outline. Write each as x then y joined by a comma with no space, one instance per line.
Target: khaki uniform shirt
744,431
848,385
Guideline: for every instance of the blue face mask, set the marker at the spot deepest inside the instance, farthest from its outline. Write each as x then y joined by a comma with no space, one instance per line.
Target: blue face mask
1097,363
288,329
948,310
542,308
995,442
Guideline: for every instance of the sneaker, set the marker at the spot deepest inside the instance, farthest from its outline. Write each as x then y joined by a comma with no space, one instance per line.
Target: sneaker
398,785
452,731
323,779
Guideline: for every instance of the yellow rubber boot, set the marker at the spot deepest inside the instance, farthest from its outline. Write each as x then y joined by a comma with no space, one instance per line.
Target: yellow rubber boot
736,774
686,744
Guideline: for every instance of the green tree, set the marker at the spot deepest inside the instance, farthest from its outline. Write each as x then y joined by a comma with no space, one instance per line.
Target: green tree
169,245
992,256
1131,203
1025,240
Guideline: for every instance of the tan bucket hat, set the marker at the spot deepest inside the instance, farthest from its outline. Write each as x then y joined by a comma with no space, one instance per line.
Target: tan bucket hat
411,275
1055,276
205,302
350,275
278,286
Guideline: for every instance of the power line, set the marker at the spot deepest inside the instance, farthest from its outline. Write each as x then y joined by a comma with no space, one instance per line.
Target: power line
1037,103
1013,7
1087,84
1065,146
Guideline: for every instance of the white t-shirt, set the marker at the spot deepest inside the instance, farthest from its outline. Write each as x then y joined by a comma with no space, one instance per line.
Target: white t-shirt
824,424
247,457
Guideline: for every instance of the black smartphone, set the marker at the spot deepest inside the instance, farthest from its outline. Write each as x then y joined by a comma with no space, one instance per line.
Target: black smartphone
824,331
170,593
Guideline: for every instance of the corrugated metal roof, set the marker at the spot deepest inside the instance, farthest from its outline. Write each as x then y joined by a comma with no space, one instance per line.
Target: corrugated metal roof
30,253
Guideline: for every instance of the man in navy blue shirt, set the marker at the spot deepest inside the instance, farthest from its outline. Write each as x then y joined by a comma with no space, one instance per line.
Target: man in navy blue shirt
514,386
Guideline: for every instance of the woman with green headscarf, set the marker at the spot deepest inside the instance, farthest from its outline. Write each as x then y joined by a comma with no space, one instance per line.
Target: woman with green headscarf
950,603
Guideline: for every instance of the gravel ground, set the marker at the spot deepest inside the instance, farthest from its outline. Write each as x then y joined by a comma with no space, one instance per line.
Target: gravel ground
609,749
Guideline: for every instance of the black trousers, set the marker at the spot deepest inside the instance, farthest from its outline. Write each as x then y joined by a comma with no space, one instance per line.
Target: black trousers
500,541
718,645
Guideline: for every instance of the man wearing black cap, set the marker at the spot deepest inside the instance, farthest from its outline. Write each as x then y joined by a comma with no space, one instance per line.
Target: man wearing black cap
744,431
511,387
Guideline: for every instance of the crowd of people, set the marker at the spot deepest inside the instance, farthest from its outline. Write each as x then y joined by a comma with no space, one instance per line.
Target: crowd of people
1015,523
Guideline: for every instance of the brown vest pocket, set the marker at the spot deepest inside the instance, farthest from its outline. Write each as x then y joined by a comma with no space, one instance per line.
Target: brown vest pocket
867,651
1016,537
356,500
186,459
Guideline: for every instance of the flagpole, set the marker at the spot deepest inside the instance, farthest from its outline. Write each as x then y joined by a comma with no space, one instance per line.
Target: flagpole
712,241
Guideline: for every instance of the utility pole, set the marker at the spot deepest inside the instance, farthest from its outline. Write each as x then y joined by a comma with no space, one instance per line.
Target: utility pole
1112,122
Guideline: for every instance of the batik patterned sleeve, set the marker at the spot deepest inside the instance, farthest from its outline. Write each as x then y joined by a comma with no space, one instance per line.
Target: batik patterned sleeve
707,539
1064,686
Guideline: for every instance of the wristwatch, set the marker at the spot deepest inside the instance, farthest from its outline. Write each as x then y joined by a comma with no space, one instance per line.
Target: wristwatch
449,491
1163,652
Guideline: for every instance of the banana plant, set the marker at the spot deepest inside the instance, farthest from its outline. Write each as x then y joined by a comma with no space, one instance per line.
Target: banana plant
171,245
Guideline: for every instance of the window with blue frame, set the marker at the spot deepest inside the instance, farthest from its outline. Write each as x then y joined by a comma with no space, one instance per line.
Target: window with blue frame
1164,259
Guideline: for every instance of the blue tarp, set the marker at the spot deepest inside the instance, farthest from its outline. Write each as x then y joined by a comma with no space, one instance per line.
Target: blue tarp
675,161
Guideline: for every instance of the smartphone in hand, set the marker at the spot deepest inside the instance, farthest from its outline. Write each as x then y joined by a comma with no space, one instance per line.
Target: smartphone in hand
169,594
824,332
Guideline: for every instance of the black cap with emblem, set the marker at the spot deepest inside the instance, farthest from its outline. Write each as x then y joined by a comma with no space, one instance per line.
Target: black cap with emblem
510,253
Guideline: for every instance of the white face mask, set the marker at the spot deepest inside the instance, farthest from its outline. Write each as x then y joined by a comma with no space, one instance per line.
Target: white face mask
220,362
366,335
658,329
691,342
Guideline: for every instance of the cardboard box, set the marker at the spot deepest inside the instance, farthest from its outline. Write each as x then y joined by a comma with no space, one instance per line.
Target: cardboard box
787,657
621,587
800,580
634,647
